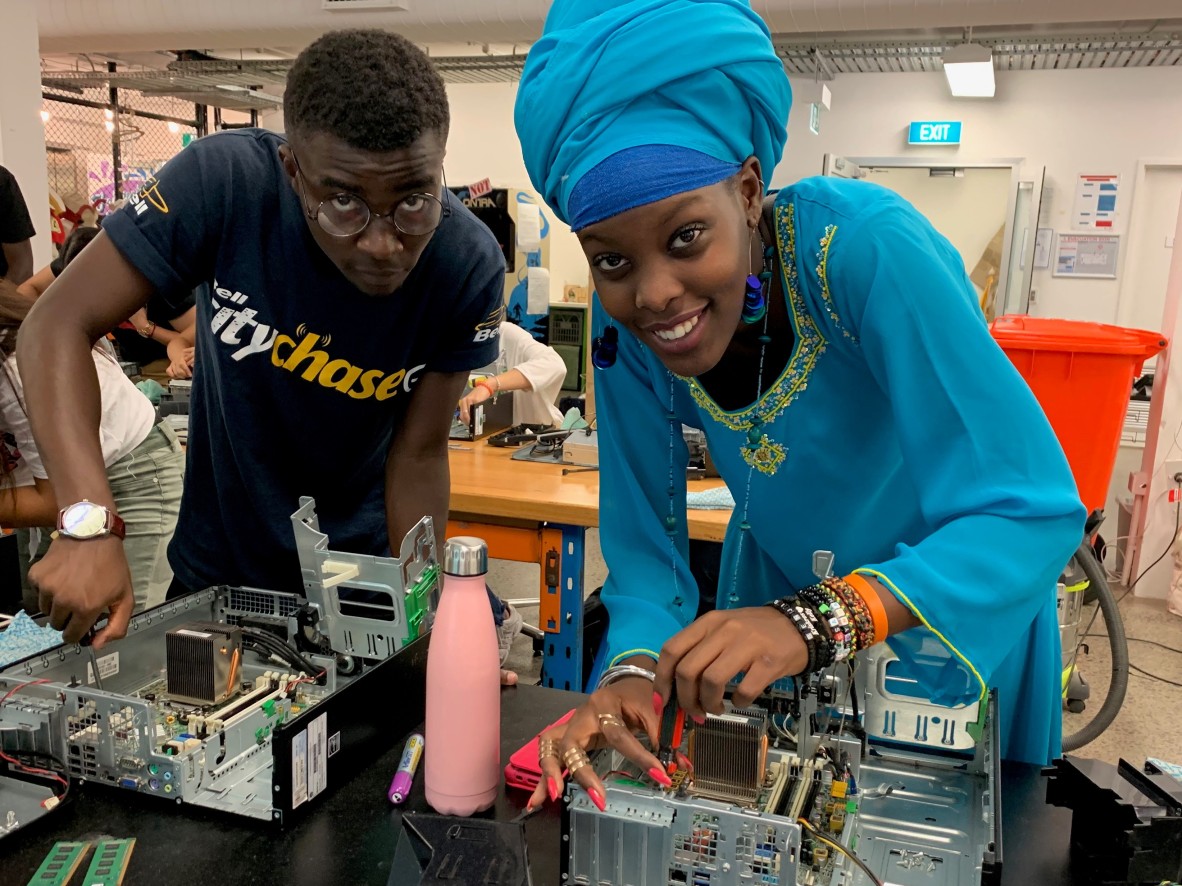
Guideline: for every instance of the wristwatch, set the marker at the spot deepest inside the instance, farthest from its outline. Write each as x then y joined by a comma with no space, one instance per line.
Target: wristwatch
85,520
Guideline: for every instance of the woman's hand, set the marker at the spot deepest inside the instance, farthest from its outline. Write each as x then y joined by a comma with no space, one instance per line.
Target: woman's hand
477,395
702,659
180,356
630,704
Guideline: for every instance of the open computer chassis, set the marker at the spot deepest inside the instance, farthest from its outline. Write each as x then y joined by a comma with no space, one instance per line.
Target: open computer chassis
898,781
189,712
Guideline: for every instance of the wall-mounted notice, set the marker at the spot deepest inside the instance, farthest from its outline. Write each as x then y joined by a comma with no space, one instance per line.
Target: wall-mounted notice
1087,255
1095,202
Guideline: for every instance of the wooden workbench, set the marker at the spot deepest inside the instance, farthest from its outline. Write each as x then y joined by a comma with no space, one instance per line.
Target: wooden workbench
487,483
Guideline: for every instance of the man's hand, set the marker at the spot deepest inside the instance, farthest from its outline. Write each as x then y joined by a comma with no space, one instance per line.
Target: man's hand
702,659
78,580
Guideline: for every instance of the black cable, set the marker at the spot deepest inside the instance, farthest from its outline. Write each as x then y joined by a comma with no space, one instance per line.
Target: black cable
1148,675
269,654
282,649
1145,640
287,656
1129,589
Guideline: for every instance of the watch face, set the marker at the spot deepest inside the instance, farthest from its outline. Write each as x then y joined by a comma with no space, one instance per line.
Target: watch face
84,520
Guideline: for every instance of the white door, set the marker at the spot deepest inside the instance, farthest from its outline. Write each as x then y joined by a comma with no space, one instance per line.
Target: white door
967,205
841,167
1146,251
1027,207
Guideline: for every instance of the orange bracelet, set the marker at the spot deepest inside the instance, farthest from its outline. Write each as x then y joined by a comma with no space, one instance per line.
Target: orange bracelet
483,383
873,602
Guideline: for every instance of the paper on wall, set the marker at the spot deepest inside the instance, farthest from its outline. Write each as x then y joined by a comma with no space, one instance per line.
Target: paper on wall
537,291
529,227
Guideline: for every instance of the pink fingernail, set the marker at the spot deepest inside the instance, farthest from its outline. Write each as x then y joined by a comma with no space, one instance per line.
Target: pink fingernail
597,799
658,775
552,786
658,705
529,807
698,720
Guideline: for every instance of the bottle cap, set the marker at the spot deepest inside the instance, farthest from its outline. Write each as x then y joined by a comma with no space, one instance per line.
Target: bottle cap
465,555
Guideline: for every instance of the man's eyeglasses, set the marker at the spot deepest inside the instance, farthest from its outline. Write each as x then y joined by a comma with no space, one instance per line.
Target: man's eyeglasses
347,215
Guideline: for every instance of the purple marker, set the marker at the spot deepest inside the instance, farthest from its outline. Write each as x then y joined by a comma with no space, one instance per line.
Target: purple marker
405,776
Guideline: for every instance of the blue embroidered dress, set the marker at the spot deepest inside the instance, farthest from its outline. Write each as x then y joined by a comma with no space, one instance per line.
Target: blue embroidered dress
899,436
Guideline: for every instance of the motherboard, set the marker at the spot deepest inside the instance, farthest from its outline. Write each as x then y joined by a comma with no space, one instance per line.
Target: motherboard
235,699
834,781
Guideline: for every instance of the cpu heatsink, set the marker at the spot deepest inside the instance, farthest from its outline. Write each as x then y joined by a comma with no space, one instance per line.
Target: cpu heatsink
729,754
202,662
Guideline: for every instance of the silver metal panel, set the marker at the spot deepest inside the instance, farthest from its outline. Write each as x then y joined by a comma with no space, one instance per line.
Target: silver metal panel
222,754
373,621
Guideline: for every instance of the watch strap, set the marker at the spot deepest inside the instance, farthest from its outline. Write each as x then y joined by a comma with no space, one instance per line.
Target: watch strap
115,525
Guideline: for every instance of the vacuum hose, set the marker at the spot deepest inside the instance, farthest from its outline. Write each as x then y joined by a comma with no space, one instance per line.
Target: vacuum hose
1085,557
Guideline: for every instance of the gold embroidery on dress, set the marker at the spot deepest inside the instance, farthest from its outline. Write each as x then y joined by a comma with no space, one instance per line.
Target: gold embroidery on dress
760,451
823,278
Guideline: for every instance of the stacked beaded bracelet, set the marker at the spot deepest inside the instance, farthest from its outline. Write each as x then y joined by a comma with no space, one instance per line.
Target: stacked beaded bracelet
834,616
835,619
863,589
858,609
806,624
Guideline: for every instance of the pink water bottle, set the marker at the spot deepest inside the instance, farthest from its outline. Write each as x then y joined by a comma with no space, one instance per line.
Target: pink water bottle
463,737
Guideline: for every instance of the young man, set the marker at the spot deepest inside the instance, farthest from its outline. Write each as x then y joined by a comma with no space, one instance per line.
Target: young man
350,297
16,230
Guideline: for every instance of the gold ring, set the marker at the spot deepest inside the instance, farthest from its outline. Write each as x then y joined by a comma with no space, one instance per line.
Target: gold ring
575,758
547,747
610,720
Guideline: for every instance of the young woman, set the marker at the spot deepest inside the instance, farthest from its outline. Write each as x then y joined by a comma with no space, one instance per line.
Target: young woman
831,347
145,465
530,369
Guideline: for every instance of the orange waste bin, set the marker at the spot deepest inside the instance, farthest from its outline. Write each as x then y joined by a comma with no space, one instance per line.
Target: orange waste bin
1082,374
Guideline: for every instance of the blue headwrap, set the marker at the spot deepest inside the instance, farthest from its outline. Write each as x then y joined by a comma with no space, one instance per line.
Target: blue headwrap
697,78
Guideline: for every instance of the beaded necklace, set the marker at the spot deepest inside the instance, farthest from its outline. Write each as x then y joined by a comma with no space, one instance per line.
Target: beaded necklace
759,452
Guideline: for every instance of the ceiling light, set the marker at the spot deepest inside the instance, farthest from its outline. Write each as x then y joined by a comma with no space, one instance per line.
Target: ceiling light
109,114
44,116
173,126
110,127
969,69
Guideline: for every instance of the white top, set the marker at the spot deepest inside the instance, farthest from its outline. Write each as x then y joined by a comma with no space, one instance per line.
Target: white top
544,369
127,417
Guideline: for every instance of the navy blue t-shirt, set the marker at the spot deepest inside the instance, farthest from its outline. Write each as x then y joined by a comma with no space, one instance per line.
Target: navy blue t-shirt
300,378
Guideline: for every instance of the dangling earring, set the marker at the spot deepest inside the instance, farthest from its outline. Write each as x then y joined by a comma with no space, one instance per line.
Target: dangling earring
604,348
755,297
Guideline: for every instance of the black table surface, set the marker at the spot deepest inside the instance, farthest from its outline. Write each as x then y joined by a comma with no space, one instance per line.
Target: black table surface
348,836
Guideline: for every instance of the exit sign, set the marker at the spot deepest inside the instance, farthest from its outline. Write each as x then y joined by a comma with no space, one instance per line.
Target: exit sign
936,132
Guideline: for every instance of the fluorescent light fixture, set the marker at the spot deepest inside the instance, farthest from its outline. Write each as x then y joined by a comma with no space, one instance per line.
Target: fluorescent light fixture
969,69
44,116
173,126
